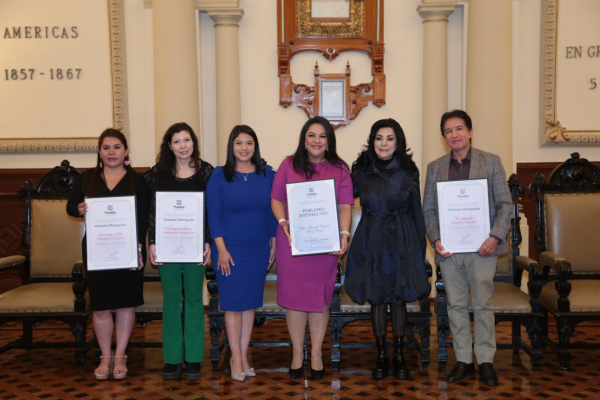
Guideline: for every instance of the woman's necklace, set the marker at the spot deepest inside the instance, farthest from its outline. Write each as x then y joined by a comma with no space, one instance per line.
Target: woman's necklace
245,175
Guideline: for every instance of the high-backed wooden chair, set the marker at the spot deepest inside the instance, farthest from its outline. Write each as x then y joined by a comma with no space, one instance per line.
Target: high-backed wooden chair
344,311
55,288
510,303
566,233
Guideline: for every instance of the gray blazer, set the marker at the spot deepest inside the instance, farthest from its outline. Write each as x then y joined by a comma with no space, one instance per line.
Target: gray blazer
483,165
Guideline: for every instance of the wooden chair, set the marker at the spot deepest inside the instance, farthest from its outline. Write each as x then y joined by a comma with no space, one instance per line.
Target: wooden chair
344,311
509,301
54,288
566,233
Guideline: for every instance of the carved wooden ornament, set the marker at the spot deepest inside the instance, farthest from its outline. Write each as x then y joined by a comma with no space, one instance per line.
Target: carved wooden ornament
331,28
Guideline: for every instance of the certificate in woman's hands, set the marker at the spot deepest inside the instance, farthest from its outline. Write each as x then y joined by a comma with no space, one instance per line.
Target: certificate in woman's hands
312,211
111,233
180,227
464,212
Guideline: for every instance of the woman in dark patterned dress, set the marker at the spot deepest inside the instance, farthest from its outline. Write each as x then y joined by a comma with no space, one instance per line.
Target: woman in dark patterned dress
386,258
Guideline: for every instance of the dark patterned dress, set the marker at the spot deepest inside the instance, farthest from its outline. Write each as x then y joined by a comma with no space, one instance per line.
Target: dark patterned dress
386,256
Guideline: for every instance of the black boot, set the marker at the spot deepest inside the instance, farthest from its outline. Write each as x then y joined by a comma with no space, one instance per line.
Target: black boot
400,369
381,363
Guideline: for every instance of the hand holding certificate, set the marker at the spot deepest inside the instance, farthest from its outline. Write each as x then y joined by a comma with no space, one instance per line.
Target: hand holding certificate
312,210
464,214
111,233
180,227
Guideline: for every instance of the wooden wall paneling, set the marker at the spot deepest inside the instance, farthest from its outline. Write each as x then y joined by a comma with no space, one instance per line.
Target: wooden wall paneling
11,207
12,216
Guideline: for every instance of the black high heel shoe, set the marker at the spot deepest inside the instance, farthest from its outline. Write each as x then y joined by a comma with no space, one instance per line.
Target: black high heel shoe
296,373
317,374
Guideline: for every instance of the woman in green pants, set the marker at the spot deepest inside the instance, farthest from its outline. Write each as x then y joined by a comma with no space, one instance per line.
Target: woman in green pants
179,169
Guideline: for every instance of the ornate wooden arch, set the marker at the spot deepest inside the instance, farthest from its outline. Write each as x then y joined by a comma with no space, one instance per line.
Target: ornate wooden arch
300,30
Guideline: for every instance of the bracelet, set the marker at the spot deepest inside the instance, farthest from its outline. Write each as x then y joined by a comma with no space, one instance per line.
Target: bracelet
281,220
345,232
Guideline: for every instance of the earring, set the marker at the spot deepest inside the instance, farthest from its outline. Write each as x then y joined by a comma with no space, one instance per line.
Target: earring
126,162
100,165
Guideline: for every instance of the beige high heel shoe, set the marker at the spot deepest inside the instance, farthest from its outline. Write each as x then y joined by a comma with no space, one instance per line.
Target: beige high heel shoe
102,374
120,372
236,376
250,372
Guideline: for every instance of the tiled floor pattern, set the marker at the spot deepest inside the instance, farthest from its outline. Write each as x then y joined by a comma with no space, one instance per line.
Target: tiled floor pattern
52,374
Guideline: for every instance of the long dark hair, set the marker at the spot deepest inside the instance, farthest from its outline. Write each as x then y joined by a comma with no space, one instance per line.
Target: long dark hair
93,180
229,167
368,156
300,161
165,169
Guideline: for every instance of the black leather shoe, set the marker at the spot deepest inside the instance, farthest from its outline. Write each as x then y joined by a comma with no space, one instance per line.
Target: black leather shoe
381,362
172,371
487,375
460,371
296,373
317,374
192,371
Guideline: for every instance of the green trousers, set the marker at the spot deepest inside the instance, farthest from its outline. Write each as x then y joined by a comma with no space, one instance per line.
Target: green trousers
191,337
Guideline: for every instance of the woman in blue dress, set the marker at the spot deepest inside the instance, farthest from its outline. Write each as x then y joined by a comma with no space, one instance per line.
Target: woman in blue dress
243,230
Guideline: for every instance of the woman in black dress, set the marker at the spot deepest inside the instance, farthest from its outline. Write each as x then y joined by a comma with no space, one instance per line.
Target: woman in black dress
121,289
386,258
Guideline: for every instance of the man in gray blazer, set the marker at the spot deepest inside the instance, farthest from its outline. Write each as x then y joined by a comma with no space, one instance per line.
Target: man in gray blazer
466,272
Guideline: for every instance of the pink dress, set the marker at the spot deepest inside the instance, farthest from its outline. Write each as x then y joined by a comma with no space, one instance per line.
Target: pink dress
303,283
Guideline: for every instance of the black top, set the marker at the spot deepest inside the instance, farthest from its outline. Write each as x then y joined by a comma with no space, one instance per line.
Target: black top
120,288
195,183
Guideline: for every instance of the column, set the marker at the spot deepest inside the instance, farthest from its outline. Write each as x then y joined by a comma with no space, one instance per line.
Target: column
229,109
489,77
175,66
435,89
435,77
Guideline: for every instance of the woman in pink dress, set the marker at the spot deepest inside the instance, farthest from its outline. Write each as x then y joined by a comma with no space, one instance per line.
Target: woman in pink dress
305,284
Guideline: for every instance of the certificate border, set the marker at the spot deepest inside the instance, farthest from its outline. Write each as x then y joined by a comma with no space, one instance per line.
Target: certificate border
337,216
180,261
487,204
135,233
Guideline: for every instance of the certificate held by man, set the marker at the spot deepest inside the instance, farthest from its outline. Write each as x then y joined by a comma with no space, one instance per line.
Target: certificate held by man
180,227
464,212
111,233
312,211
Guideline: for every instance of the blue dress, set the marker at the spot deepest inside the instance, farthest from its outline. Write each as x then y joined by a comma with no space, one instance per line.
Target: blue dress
240,213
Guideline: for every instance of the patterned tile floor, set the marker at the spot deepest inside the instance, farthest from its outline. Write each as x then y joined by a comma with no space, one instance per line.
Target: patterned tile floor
52,374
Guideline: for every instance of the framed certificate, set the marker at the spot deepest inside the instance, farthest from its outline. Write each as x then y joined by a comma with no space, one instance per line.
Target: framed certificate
180,227
464,212
111,233
313,215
